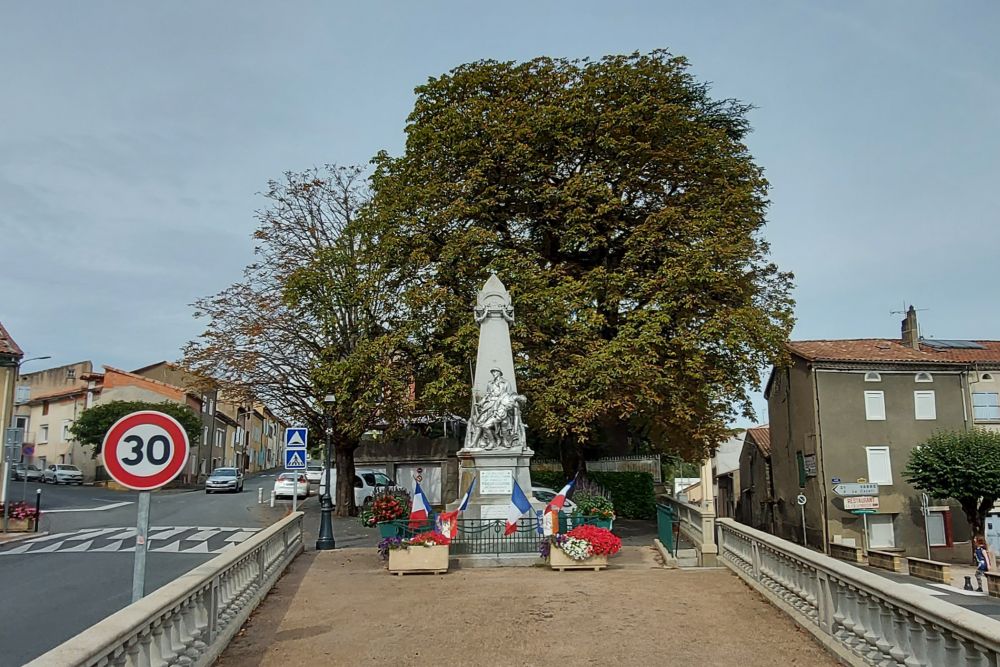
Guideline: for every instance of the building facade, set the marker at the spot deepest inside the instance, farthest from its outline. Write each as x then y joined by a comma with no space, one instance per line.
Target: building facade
756,505
849,411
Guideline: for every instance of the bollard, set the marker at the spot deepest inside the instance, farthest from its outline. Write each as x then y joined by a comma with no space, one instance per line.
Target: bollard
38,508
968,582
260,495
272,498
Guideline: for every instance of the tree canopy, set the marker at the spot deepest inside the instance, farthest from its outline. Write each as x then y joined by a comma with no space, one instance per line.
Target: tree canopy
617,201
962,465
95,422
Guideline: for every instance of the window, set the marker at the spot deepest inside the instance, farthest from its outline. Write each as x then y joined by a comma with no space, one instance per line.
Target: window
220,438
880,531
986,378
22,394
879,467
875,406
45,408
985,406
937,536
872,376
43,433
66,437
923,405
204,435
923,377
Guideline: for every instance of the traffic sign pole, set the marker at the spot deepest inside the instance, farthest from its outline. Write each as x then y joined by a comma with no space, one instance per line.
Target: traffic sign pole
141,534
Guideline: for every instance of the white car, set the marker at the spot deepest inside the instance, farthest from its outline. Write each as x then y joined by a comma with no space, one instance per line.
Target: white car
61,473
545,494
314,473
367,483
291,483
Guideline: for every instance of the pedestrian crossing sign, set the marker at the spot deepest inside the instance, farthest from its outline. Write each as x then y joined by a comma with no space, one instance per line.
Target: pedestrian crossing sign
295,459
296,437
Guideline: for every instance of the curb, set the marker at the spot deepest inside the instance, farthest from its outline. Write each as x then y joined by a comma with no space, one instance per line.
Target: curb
20,537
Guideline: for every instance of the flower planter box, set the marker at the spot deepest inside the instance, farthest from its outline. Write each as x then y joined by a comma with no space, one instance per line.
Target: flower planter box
20,525
560,561
412,560
389,529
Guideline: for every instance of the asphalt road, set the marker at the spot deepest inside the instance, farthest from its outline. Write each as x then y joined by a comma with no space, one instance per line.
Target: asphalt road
56,586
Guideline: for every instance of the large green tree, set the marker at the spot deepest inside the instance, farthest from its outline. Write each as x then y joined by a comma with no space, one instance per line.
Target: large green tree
316,314
963,465
618,202
95,422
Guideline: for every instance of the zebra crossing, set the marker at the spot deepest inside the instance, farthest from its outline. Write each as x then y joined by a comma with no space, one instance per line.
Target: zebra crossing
161,539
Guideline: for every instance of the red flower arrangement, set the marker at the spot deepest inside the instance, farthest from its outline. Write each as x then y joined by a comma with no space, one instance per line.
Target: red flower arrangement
387,508
602,541
20,510
428,539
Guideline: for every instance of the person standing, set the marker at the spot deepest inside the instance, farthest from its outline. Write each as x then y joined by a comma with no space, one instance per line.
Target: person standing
982,555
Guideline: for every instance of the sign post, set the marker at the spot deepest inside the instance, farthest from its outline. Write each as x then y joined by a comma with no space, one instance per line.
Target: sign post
296,439
801,500
143,451
13,437
925,510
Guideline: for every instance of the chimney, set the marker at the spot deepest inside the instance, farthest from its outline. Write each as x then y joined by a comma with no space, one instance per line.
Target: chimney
911,334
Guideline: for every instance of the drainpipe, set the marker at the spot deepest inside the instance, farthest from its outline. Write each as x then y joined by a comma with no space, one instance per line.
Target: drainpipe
824,511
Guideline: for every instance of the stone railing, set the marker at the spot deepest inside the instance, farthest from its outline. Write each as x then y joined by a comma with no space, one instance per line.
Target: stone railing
862,617
885,560
697,524
192,619
931,570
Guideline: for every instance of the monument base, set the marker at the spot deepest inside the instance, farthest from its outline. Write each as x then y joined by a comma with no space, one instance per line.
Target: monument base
496,471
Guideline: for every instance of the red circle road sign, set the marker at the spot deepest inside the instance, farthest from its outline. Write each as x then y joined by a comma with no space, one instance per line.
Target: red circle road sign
144,450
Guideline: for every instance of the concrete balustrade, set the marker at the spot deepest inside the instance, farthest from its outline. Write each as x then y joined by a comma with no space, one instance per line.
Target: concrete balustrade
192,619
930,570
697,525
885,560
848,553
862,617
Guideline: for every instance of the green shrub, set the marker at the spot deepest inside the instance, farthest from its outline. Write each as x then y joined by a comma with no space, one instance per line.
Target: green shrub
630,492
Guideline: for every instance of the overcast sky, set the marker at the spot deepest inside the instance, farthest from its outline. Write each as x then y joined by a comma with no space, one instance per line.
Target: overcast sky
134,138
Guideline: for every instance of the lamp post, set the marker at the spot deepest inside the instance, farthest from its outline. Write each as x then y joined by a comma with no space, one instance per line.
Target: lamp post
13,422
325,540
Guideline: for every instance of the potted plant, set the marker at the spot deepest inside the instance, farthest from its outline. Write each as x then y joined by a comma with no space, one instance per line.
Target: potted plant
387,509
585,547
597,507
21,517
424,552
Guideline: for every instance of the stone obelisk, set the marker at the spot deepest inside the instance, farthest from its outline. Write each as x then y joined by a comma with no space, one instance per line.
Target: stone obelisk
495,451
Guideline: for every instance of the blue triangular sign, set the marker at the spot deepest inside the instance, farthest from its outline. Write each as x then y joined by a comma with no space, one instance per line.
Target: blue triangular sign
294,459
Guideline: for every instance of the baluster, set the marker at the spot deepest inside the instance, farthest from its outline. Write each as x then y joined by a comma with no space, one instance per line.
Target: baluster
974,656
853,621
161,641
917,641
171,637
887,631
149,654
933,644
873,629
952,649
900,648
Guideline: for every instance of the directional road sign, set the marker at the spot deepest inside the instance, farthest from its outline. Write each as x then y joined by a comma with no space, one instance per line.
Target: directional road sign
869,489
296,437
863,512
144,450
860,503
295,459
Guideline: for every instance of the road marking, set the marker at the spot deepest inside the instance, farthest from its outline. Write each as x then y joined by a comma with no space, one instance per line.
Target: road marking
958,591
239,537
48,549
205,533
83,546
113,546
90,509
175,539
171,548
167,534
200,548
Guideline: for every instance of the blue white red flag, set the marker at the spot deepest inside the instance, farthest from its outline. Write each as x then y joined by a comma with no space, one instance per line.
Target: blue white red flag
559,501
420,510
447,522
519,506
462,506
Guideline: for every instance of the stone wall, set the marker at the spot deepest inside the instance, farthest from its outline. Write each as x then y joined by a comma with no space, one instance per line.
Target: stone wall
931,570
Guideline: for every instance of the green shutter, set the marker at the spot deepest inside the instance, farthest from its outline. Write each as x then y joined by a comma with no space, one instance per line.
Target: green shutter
800,460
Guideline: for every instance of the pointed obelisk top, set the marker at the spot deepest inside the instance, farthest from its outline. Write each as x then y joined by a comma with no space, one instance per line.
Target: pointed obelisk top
493,293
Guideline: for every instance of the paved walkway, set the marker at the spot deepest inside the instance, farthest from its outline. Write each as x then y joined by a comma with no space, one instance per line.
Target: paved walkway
342,608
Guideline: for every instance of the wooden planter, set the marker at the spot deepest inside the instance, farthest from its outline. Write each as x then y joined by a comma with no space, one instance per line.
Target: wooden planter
560,561
20,525
412,560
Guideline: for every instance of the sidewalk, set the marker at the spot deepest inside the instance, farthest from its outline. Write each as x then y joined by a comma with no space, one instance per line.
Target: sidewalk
342,608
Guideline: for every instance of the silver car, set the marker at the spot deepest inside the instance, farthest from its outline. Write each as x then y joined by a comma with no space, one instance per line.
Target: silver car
20,471
62,473
224,479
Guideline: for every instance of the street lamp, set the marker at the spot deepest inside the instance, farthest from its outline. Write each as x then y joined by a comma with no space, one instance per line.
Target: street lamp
13,422
325,540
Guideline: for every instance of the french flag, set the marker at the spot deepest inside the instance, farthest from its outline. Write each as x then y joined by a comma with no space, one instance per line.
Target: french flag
559,501
447,522
420,509
519,506
464,505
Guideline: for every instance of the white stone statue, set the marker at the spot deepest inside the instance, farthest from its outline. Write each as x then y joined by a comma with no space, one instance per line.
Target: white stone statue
496,418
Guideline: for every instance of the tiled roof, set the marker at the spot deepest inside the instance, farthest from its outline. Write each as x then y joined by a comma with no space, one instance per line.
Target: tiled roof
7,344
890,350
761,436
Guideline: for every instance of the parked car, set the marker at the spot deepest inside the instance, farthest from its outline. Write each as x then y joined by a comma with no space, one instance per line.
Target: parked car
289,483
224,479
62,473
545,494
367,483
314,473
20,471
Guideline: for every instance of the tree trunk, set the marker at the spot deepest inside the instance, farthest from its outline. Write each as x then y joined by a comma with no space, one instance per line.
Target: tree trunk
976,519
571,456
344,462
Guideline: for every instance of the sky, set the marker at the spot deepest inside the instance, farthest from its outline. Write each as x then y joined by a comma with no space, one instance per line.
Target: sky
135,139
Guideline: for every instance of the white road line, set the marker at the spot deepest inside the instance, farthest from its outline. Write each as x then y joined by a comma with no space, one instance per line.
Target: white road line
83,546
48,549
89,509
16,550
200,548
168,533
239,537
173,547
113,546
205,534
228,545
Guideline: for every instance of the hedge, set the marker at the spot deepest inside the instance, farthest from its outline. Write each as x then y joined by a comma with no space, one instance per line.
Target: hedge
631,492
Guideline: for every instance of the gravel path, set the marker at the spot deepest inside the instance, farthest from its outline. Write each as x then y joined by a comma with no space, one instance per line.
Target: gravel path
342,608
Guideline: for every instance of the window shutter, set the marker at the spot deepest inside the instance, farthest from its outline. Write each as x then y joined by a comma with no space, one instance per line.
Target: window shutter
874,406
923,405
879,465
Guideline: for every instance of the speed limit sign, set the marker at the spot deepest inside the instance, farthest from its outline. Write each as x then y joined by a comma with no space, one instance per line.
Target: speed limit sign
145,450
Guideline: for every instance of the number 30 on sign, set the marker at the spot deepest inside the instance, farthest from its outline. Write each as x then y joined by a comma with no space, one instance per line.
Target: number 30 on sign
145,450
